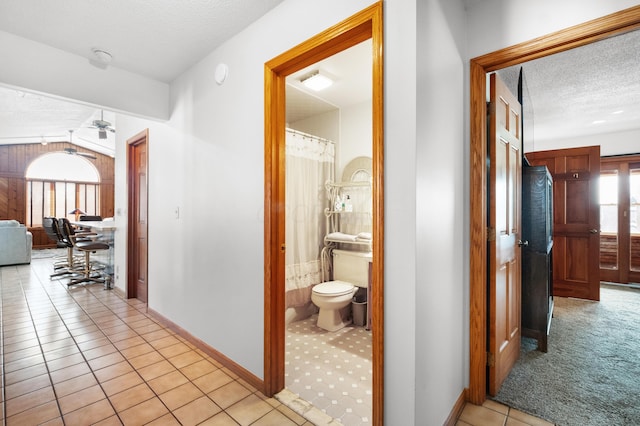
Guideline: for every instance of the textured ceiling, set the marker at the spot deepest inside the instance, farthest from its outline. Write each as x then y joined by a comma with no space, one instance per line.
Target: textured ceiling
589,90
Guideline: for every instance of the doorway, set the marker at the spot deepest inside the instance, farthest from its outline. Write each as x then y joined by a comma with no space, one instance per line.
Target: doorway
365,25
620,219
617,23
137,245
328,139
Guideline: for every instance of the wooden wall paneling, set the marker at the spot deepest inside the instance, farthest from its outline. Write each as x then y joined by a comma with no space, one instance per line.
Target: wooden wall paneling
107,201
4,199
16,199
14,160
635,254
4,158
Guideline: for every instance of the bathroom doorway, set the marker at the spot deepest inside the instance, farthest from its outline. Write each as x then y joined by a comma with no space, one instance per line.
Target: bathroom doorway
328,227
366,25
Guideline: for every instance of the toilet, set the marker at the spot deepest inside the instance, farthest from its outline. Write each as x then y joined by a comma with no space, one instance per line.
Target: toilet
350,271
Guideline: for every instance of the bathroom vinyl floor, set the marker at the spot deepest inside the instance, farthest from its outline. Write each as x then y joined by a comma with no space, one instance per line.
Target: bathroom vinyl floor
331,370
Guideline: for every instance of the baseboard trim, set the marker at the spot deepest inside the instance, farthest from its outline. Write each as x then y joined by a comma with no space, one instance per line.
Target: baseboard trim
236,368
119,292
457,408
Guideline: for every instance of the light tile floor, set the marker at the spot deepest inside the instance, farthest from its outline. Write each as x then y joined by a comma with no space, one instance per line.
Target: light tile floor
331,370
492,413
83,355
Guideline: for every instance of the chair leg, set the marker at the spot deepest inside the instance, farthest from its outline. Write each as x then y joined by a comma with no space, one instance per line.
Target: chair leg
68,267
87,273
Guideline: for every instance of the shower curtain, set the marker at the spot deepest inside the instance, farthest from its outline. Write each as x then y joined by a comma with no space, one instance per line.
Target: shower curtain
309,164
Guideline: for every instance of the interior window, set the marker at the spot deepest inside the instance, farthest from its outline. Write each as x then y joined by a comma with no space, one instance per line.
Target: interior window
609,202
58,183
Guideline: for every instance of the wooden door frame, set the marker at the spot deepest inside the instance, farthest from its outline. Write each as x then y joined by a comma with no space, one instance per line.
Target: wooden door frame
132,143
560,41
362,26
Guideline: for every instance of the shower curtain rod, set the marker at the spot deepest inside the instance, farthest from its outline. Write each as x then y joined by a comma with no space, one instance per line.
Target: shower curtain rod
298,132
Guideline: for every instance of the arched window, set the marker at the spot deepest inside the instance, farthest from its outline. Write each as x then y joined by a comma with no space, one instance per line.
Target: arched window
58,183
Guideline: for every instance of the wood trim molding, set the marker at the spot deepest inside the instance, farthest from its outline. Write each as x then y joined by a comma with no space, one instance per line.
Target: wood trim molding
251,378
619,159
359,27
579,35
456,411
132,142
478,238
560,41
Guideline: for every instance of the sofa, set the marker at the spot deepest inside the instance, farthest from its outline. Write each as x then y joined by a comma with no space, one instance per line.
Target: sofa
15,243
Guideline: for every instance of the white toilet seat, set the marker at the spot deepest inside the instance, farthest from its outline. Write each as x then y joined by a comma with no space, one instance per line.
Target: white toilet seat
333,288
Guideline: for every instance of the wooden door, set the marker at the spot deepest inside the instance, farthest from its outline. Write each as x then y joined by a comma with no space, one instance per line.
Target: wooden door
138,184
576,219
505,187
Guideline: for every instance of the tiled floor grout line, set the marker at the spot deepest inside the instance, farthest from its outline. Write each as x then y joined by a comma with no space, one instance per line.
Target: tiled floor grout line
90,289
50,322
188,344
4,397
75,342
38,338
79,348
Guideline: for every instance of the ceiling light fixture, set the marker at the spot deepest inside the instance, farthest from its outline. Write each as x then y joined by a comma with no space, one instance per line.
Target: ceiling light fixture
316,81
102,56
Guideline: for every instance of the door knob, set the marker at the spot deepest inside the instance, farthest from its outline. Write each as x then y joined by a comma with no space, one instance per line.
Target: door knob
593,231
522,243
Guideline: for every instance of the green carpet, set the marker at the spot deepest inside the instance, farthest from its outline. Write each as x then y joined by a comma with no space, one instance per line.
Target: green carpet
591,374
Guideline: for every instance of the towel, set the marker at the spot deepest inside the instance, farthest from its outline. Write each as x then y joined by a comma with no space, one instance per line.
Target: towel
340,236
364,236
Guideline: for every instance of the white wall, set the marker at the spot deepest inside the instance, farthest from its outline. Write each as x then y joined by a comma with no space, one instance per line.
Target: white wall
206,270
355,134
441,188
326,125
400,214
495,24
215,151
617,143
221,131
42,69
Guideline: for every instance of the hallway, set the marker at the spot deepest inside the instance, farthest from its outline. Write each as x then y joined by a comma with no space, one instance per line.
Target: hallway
86,356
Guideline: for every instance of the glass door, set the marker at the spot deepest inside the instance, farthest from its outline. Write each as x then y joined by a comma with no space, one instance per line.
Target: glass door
609,265
620,220
634,222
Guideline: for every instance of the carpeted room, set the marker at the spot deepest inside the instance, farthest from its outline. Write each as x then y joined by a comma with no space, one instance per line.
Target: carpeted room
589,376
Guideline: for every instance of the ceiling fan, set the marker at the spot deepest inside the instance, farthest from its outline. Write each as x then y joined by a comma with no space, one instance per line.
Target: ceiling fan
102,126
73,151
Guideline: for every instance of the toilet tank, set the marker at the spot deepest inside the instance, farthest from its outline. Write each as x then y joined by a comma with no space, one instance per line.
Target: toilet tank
352,266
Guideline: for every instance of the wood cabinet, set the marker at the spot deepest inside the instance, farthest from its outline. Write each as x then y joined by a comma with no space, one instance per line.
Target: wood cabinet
537,263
